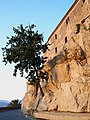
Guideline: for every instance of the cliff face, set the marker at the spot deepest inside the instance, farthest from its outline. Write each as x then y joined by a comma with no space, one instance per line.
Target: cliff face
68,66
68,86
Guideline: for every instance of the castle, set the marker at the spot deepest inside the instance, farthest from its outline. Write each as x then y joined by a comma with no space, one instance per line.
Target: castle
68,65
78,13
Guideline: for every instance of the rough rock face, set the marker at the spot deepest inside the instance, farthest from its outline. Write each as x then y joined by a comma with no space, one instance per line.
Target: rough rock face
28,100
71,92
68,86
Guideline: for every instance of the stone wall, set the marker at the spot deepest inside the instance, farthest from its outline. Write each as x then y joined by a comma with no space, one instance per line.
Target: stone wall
67,27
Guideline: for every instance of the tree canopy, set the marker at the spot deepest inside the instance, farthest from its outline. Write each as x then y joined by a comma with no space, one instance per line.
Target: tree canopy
15,103
24,49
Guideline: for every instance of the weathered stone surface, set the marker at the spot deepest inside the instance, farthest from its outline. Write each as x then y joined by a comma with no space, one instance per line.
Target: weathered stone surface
29,99
86,70
72,96
62,73
62,116
68,86
43,105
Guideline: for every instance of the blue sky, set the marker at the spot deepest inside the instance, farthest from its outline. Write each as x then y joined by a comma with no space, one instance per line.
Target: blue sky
45,14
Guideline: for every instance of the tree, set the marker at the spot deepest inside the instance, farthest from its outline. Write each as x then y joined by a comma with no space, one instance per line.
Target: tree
14,103
24,49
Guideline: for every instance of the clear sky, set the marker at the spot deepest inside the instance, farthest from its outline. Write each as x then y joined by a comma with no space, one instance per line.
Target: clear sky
45,14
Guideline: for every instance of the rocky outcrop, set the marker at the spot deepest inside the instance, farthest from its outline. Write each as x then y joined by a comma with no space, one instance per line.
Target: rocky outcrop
28,100
68,86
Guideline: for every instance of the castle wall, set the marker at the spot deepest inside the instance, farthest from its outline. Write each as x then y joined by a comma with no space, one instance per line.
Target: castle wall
67,27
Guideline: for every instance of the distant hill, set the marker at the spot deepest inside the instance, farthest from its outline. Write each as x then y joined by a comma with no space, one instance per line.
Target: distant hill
4,103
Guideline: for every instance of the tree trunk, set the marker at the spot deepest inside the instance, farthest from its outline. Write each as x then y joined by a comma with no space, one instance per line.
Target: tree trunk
41,89
38,84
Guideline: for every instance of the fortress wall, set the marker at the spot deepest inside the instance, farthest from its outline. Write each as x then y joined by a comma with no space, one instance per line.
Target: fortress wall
67,27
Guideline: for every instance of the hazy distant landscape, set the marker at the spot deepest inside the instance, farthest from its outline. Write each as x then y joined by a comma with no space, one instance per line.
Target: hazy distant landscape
4,103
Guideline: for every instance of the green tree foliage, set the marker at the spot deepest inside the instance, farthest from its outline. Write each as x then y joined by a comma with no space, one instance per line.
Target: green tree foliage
24,49
14,103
